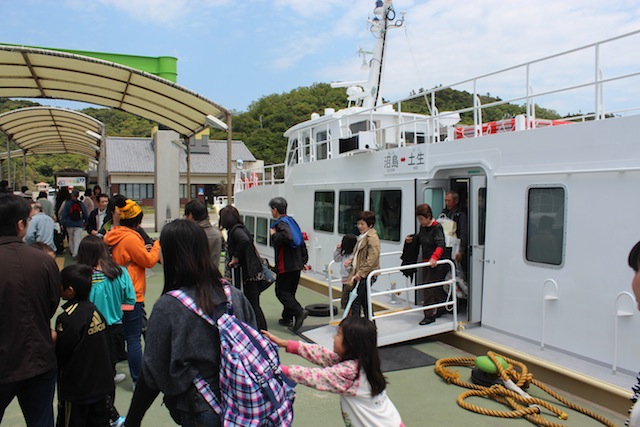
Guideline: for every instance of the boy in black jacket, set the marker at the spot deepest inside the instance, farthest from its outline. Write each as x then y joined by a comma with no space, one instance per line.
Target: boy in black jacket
85,375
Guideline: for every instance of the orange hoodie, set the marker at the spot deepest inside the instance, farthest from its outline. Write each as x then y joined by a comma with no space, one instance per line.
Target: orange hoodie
128,250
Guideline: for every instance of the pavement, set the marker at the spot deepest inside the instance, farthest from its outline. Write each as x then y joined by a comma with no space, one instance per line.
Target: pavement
422,397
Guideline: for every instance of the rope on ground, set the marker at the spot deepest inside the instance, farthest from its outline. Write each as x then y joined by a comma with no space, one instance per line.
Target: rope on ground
521,406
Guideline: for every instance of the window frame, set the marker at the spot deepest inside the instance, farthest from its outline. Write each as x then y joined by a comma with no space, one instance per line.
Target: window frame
378,223
340,214
333,211
562,235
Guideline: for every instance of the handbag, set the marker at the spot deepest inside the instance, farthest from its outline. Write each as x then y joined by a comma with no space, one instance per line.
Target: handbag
269,276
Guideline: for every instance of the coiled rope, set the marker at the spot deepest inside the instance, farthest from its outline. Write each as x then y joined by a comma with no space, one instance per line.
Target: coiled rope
527,407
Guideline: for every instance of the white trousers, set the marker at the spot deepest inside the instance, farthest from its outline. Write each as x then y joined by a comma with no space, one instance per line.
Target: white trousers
75,235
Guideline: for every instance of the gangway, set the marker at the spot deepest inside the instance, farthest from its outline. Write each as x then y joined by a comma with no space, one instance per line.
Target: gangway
398,324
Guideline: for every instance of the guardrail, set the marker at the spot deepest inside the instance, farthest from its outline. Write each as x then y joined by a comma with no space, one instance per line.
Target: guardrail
331,281
451,301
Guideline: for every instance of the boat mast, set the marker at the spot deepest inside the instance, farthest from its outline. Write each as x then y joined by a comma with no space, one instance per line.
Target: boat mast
383,21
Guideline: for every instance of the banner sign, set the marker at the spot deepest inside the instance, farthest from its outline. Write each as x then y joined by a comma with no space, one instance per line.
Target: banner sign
72,181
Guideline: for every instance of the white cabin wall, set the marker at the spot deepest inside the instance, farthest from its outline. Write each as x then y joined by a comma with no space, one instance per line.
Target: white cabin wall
602,226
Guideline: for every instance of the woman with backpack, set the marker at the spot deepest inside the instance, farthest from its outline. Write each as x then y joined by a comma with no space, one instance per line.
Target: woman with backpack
244,257
178,345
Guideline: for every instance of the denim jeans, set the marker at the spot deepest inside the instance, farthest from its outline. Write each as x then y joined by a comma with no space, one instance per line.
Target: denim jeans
132,322
35,396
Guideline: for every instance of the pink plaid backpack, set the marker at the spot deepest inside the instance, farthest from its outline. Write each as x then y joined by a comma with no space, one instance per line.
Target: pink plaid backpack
253,388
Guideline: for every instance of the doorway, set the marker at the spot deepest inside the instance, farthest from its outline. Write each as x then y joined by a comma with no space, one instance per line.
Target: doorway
472,201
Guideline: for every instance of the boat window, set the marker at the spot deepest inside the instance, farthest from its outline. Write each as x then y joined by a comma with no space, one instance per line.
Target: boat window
434,197
306,144
323,207
351,204
359,127
292,158
414,138
321,141
545,225
387,205
482,215
250,223
262,231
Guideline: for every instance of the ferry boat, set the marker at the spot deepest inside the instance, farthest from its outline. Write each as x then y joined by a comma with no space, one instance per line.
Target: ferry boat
552,204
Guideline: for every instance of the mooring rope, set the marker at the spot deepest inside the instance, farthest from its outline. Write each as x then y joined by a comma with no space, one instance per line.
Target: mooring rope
521,406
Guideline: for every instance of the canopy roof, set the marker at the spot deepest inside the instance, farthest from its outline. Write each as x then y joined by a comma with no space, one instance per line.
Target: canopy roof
39,73
48,130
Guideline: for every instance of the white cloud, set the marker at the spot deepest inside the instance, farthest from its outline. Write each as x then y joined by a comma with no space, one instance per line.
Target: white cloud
449,42
173,13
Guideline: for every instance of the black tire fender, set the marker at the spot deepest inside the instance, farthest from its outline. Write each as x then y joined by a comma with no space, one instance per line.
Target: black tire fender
320,310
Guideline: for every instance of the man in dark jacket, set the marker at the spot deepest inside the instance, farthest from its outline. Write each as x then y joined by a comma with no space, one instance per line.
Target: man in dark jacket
74,223
289,261
454,212
100,219
196,211
29,296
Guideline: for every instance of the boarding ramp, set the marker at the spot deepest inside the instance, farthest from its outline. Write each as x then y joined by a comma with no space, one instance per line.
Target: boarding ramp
396,323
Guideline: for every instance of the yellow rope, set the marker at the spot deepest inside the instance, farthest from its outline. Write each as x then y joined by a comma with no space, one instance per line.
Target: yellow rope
521,406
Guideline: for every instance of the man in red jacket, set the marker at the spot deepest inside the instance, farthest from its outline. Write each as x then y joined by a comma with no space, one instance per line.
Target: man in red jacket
290,260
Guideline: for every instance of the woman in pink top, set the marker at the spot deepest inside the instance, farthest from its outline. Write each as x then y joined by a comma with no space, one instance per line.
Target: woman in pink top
352,370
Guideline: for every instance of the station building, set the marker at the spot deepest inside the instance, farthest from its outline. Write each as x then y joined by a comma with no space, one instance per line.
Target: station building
130,167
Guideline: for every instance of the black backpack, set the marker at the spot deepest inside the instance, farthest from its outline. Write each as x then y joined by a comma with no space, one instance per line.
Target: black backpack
75,211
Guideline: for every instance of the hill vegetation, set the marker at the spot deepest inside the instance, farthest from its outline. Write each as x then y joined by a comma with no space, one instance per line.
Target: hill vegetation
260,127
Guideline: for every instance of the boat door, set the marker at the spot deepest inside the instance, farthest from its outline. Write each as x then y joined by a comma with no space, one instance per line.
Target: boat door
433,193
477,232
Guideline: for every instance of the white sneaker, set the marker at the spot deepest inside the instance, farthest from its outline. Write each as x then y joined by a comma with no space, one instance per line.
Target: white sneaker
119,377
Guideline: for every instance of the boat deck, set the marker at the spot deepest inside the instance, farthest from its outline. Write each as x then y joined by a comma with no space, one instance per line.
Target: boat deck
421,396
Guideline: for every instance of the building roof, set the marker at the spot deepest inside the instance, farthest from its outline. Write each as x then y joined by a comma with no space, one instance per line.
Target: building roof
136,155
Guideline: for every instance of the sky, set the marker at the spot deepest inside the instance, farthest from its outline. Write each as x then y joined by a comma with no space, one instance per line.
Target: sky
234,52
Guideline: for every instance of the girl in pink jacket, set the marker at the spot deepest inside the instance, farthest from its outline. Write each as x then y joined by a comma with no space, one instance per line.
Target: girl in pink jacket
352,370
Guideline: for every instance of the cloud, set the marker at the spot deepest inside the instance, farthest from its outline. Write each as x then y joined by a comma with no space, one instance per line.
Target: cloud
446,42
173,13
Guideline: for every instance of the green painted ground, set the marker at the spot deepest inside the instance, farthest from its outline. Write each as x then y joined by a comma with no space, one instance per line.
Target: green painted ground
420,395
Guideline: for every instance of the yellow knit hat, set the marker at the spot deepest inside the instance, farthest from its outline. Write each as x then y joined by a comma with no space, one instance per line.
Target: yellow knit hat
130,210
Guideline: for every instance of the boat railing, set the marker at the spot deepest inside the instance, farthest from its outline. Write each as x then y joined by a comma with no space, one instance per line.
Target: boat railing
260,175
393,291
596,79
450,303
331,280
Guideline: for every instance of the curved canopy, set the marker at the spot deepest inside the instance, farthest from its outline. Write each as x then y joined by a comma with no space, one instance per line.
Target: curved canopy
39,73
49,130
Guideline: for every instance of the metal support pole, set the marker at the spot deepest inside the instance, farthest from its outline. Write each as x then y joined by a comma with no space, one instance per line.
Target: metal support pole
188,167
229,187
102,162
24,168
9,163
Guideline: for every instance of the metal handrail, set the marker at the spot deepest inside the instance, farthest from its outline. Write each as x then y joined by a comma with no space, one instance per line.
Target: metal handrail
546,297
620,314
387,271
330,280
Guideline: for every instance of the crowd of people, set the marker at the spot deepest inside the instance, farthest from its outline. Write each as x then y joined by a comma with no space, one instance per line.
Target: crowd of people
101,318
